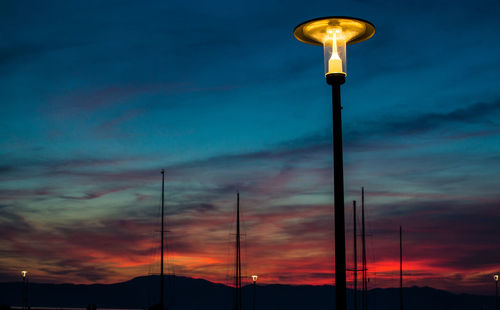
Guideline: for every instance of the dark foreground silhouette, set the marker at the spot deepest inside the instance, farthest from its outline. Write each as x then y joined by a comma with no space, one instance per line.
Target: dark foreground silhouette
195,294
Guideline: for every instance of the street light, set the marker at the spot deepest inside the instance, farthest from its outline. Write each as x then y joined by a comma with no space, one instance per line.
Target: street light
334,33
25,289
496,291
254,279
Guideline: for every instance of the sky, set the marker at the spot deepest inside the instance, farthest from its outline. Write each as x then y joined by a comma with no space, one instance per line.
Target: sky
98,96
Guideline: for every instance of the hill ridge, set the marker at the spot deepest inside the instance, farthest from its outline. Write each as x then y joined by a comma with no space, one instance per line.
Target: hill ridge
185,293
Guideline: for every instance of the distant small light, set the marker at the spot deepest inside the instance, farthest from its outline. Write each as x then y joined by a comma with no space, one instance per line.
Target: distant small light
254,278
495,277
24,272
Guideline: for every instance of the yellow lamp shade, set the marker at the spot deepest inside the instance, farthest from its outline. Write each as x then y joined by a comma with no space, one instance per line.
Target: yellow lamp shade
334,33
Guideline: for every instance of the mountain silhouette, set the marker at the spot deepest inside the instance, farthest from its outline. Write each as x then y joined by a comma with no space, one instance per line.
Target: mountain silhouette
183,293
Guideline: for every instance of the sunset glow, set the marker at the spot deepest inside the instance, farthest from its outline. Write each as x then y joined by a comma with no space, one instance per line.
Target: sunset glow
98,97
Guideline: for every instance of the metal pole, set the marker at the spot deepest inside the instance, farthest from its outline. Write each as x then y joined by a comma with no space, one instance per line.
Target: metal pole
355,257
24,293
239,257
335,80
363,254
496,295
162,301
237,276
400,268
27,293
254,293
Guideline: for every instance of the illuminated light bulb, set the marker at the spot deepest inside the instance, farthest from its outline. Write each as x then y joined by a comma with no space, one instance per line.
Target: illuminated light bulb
24,272
334,63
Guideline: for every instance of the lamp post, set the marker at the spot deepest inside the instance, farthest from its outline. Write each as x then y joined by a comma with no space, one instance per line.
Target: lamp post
496,291
25,289
254,279
334,33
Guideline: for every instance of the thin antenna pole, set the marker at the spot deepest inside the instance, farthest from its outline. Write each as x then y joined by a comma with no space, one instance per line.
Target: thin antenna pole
162,301
239,253
355,257
400,268
237,277
365,282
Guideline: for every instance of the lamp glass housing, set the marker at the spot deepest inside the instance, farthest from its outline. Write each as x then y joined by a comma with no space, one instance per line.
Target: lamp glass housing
254,278
334,52
495,277
334,33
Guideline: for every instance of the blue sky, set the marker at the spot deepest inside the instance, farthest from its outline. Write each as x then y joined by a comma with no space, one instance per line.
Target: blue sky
98,96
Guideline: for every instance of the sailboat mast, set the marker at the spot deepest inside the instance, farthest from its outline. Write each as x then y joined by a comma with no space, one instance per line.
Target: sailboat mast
400,268
162,301
355,257
237,276
363,240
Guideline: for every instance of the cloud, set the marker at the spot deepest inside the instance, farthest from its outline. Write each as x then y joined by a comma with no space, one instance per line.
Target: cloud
95,194
474,113
454,233
483,114
200,212
384,134
286,207
20,53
